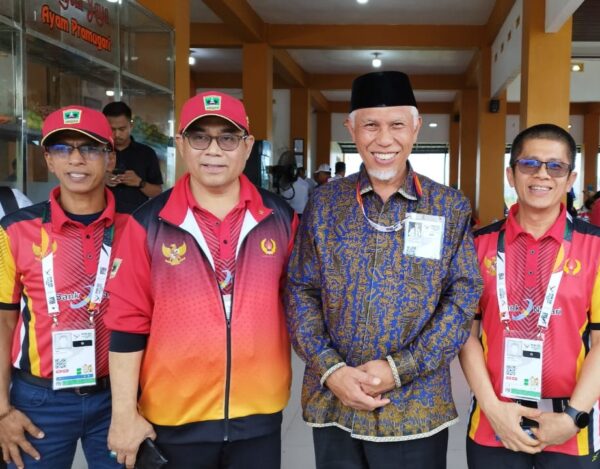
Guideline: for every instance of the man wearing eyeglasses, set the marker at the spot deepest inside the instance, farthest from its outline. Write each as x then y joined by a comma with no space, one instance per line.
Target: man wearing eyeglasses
54,262
533,358
382,287
196,310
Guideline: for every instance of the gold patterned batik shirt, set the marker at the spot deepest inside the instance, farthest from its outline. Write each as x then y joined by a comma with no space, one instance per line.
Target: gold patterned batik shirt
353,296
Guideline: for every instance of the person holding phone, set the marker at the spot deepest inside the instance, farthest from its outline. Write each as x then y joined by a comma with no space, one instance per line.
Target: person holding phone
533,357
136,176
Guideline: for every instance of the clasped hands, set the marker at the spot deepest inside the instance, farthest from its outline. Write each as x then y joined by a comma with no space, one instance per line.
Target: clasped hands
362,387
554,427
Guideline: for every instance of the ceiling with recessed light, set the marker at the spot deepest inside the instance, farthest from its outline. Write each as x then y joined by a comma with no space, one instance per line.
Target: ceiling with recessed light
354,59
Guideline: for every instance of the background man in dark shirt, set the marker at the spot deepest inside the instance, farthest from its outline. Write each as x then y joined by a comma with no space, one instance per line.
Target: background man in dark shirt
137,175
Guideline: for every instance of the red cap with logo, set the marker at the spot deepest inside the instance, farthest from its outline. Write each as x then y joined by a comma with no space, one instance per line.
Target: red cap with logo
80,119
214,103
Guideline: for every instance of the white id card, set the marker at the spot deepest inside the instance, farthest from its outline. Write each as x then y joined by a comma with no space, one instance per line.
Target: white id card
423,235
73,358
522,368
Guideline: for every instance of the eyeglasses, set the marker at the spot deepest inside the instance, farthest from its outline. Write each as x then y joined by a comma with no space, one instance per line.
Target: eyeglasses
226,142
555,169
87,152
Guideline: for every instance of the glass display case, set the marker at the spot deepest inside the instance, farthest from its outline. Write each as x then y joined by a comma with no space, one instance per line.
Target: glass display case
87,53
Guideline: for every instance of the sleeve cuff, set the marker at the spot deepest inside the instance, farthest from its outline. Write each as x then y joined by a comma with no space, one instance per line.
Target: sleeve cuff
394,371
405,366
330,371
325,360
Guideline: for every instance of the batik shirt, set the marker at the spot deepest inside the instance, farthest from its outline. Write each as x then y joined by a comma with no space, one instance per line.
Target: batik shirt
353,296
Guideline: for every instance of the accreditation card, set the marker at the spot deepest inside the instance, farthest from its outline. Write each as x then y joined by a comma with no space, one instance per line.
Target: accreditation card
522,368
73,358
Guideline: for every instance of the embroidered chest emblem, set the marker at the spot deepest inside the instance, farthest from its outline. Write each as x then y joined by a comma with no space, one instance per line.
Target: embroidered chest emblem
490,265
268,246
45,247
572,266
174,255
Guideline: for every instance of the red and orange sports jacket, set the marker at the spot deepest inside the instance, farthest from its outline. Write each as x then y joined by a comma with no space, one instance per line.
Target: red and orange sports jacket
576,313
220,378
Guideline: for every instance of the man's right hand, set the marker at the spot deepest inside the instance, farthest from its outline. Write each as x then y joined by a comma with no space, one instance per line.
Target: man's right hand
125,436
13,440
346,382
505,418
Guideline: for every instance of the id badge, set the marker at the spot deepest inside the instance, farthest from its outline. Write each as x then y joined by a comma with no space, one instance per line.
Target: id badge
522,368
73,358
423,235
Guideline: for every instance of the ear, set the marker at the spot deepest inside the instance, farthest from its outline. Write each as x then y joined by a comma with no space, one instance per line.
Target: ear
249,144
571,180
179,144
510,175
418,128
111,161
350,127
49,162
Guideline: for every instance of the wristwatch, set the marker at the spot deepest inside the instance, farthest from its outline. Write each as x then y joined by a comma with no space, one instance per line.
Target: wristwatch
141,184
581,419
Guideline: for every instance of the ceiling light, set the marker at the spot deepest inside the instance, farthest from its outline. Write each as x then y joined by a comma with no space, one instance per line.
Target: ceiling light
376,60
433,125
110,93
570,126
112,1
577,67
192,60
362,2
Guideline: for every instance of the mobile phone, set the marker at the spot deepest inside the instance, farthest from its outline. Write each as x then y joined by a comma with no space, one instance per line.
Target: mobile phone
528,423
149,456
118,171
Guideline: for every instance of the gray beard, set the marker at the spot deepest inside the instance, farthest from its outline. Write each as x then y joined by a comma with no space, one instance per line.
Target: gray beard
382,174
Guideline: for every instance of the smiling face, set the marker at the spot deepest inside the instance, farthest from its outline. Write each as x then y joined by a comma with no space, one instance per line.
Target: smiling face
214,169
539,192
78,175
384,137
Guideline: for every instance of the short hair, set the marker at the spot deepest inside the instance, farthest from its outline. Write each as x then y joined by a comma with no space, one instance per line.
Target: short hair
413,110
116,109
340,166
546,132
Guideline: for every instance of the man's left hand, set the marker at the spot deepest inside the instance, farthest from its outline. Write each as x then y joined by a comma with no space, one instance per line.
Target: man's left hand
555,428
381,369
130,178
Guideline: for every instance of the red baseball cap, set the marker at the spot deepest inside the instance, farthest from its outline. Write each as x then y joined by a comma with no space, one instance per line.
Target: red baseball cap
214,103
80,119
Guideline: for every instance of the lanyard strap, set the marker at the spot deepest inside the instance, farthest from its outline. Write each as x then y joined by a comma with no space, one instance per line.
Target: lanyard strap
386,228
553,283
97,292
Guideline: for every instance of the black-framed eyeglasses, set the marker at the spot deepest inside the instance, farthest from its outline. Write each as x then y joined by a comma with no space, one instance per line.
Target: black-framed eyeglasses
226,142
88,152
555,169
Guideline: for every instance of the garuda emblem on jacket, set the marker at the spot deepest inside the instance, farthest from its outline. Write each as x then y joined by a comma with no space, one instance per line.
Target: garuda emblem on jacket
174,255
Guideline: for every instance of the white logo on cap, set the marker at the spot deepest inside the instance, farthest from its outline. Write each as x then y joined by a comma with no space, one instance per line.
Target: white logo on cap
212,103
71,116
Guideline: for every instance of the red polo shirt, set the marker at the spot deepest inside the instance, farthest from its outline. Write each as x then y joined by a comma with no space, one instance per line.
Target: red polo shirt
25,238
529,264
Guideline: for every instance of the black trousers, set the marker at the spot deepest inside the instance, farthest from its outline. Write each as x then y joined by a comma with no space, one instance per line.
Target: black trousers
489,457
336,449
262,452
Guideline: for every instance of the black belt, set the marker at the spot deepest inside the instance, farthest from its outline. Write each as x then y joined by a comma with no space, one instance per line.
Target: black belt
102,384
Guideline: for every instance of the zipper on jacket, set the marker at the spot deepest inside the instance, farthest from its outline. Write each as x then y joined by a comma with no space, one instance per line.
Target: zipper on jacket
228,365
228,323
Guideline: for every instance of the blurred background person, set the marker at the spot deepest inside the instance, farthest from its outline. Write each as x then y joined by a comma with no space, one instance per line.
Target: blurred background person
137,175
